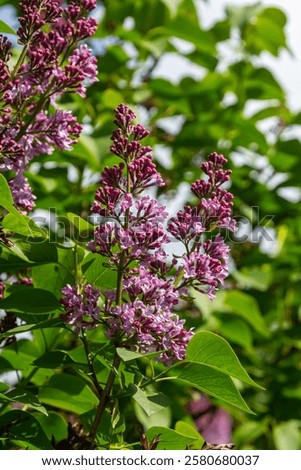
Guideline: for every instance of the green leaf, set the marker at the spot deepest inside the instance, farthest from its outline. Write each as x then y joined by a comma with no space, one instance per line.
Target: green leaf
287,436
30,300
81,224
111,98
14,221
19,355
126,355
172,6
221,30
24,430
68,393
150,402
19,395
163,417
210,349
53,360
22,224
184,28
247,308
169,439
5,28
54,425
96,273
38,250
5,365
87,150
213,382
52,323
12,259
165,89
3,387
187,429
266,32
6,198
240,16
54,276
249,431
254,278
237,331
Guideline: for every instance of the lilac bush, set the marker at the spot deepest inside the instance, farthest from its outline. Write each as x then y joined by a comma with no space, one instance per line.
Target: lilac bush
52,62
134,230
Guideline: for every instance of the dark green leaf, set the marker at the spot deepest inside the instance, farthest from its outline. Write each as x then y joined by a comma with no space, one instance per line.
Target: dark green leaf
96,273
25,397
151,403
54,426
170,439
39,250
68,393
164,88
53,277
237,331
52,323
5,365
3,387
20,355
212,382
24,430
53,360
30,300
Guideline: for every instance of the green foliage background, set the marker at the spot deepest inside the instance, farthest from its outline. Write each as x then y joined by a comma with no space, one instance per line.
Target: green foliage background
259,310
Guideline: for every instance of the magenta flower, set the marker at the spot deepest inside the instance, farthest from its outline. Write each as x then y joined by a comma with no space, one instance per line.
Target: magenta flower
81,307
148,329
132,235
53,63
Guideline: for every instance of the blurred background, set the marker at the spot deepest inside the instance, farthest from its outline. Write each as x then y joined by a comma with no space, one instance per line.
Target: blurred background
207,76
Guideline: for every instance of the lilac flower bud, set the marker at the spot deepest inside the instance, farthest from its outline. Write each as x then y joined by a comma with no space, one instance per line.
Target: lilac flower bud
139,132
124,117
88,5
143,175
5,49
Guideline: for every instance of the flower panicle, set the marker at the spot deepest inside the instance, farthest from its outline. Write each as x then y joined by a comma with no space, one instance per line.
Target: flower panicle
132,235
51,63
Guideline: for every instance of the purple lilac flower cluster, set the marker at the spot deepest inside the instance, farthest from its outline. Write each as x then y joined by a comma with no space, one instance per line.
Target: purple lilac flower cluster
139,313
81,307
206,261
50,64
